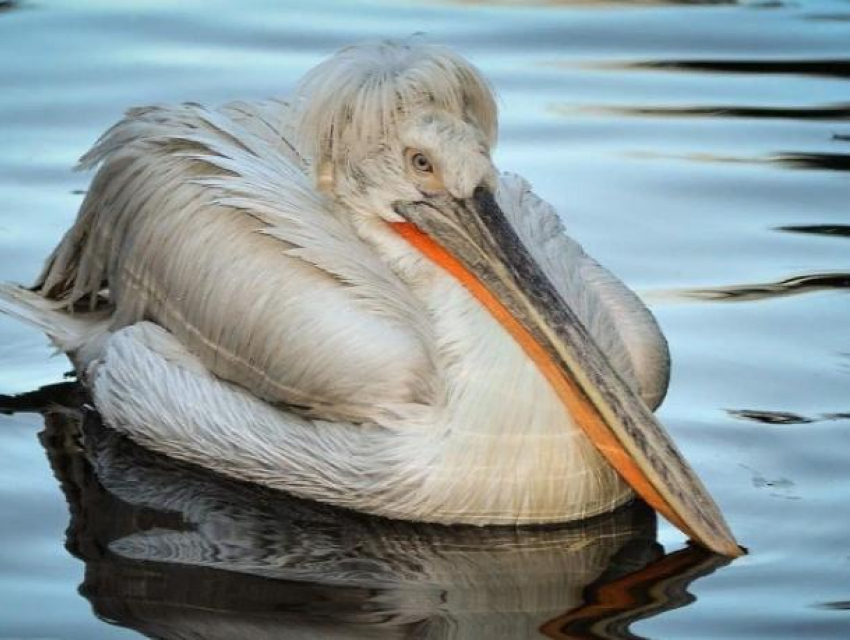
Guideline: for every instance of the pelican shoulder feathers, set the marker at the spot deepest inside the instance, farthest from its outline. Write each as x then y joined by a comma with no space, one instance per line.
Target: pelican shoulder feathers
340,296
192,216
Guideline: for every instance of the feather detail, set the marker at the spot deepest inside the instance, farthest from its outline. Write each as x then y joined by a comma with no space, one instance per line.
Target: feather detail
442,473
619,322
177,190
358,97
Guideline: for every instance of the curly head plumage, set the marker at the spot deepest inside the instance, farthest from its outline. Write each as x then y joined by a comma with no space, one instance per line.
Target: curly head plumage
359,96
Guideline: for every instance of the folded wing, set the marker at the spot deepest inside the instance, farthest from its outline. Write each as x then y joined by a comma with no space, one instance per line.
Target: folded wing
204,222
622,326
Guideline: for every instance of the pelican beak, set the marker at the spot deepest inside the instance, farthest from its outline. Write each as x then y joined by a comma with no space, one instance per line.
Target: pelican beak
475,243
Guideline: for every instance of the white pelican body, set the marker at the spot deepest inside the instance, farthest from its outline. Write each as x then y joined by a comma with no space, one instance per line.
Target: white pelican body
253,306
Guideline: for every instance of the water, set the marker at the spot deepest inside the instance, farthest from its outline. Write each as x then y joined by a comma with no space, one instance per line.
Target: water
699,149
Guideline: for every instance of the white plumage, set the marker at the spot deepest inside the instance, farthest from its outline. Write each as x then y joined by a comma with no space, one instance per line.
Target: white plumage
234,296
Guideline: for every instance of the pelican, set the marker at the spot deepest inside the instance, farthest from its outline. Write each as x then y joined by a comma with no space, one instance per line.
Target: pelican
341,297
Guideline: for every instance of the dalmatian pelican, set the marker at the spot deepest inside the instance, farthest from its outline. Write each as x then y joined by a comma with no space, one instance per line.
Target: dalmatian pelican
341,297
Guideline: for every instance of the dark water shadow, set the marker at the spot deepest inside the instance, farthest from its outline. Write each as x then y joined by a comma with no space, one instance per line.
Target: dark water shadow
831,230
784,417
830,68
173,551
9,5
788,160
838,112
828,17
819,161
762,291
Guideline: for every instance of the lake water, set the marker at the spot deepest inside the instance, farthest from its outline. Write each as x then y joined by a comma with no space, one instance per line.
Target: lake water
699,149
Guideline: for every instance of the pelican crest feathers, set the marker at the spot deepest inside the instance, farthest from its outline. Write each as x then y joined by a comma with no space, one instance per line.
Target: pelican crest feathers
356,99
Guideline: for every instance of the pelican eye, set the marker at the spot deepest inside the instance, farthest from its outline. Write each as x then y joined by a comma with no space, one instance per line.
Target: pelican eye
422,171
421,163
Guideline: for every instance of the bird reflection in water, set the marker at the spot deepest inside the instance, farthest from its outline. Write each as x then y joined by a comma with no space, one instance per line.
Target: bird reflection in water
173,551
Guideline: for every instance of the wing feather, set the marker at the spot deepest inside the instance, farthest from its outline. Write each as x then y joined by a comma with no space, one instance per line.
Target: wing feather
621,324
215,232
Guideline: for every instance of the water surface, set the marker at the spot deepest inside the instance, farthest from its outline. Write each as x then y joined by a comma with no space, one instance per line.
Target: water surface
699,149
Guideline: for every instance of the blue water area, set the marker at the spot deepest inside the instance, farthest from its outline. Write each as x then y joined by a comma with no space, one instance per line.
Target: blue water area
699,149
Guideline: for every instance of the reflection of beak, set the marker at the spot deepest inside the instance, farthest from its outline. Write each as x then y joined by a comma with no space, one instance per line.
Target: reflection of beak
474,242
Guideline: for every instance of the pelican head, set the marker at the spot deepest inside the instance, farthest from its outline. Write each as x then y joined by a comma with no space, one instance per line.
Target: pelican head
393,122
401,134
